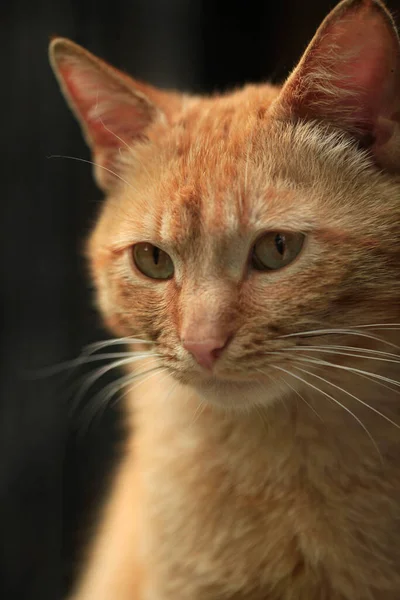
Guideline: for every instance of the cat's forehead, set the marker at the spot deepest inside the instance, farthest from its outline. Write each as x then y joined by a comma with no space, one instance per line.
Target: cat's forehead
225,172
214,116
219,212
213,174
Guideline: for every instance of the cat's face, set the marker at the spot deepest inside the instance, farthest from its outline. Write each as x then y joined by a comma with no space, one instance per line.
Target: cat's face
217,211
232,226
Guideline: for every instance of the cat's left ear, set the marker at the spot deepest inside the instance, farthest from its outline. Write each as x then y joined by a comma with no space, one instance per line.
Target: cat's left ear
113,109
349,76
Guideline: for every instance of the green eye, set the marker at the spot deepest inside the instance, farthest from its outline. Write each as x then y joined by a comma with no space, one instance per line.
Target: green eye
152,261
275,250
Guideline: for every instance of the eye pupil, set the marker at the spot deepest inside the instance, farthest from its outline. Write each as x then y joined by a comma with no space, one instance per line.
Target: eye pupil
152,261
275,250
280,244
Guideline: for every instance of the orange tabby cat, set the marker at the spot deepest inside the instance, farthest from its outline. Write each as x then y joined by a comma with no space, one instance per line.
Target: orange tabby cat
252,242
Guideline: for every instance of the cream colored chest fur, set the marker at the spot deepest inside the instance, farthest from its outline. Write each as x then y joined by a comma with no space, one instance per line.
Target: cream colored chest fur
253,509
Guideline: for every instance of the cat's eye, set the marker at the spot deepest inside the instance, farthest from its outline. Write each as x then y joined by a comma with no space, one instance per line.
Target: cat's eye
275,250
152,261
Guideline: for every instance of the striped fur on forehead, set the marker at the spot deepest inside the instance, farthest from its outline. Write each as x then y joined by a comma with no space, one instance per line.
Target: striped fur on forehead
270,175
221,190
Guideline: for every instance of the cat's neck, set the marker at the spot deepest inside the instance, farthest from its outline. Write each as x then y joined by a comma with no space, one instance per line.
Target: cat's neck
278,440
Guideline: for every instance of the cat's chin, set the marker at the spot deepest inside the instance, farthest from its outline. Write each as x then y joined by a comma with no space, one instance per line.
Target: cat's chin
237,395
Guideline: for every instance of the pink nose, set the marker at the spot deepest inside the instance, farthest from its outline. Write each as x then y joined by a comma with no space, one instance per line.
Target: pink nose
206,352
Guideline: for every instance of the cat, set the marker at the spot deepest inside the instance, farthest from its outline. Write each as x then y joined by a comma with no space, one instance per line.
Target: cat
248,252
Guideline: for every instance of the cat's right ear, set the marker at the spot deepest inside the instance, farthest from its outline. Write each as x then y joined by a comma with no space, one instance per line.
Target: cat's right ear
112,109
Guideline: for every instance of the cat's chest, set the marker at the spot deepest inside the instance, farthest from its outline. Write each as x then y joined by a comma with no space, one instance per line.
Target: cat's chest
226,519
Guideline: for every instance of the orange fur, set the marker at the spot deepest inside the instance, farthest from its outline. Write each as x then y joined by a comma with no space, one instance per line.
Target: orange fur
277,475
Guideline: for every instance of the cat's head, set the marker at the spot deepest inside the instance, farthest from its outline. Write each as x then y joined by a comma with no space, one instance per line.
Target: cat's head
234,223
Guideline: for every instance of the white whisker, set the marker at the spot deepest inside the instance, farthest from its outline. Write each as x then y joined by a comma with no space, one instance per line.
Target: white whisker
327,350
152,372
117,137
171,390
101,401
333,400
114,387
100,372
378,325
199,411
90,348
90,162
318,361
320,332
310,406
262,418
82,360
160,370
349,348
370,376
375,410
275,380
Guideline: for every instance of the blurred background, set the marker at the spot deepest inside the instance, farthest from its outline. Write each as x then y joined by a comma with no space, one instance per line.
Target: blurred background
56,458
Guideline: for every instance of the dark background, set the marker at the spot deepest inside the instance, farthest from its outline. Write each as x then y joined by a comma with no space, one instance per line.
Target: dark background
53,463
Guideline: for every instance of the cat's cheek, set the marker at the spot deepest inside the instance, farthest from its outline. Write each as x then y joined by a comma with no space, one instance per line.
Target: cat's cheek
105,305
133,308
111,316
114,325
108,301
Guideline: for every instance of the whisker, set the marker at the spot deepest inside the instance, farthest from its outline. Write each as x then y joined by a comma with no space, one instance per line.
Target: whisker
350,369
320,332
262,418
368,377
115,386
199,411
171,390
276,381
387,328
152,372
160,370
90,348
379,325
310,406
86,355
82,360
117,137
349,348
340,353
102,371
375,410
333,400
99,404
90,162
